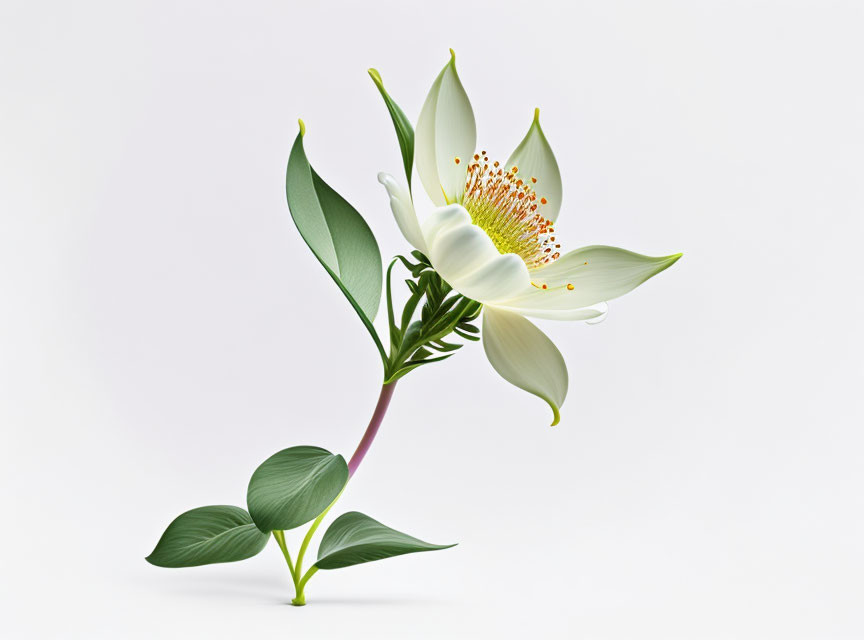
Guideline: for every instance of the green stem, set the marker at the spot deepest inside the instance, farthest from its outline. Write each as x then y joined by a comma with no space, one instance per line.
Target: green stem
280,540
300,599
356,459
308,538
312,570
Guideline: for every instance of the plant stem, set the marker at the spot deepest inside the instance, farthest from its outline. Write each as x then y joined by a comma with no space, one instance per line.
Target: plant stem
300,599
298,568
280,540
365,442
377,417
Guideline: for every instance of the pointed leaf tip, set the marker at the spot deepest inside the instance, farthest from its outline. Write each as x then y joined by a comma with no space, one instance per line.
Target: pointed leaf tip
376,77
556,415
452,56
668,261
536,115
302,127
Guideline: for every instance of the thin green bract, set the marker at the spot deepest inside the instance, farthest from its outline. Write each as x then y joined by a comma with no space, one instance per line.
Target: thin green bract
404,130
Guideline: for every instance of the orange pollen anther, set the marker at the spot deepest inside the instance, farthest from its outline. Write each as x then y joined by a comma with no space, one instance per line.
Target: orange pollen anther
503,205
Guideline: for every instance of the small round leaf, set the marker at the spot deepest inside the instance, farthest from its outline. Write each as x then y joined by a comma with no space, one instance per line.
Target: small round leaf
293,486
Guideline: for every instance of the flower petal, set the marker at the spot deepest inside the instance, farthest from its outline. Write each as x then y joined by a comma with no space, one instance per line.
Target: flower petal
445,131
596,274
403,211
603,309
443,218
591,315
534,159
466,258
524,356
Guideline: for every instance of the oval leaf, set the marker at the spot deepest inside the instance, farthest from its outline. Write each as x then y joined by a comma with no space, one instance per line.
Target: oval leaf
337,235
208,535
355,538
293,486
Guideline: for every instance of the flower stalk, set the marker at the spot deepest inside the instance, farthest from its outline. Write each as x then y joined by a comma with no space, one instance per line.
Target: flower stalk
372,430
296,569
411,345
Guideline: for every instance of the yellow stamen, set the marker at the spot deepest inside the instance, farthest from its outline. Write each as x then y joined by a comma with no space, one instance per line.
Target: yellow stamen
504,206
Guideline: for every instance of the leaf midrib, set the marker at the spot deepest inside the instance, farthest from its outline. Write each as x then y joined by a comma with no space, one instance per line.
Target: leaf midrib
218,535
318,471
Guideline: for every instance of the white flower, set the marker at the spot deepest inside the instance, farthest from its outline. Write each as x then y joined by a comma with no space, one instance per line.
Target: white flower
493,239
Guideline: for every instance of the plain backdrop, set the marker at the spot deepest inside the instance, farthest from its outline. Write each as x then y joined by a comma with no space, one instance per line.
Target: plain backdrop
165,329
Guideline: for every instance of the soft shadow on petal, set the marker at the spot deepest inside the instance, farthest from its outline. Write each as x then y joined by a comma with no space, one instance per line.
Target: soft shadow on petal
403,211
495,280
442,219
466,258
524,356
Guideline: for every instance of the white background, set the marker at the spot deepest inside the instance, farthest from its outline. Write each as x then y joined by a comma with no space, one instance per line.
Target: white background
165,329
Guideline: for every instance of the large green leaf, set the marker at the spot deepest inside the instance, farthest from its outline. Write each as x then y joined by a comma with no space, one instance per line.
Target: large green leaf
404,130
292,487
337,235
355,538
208,535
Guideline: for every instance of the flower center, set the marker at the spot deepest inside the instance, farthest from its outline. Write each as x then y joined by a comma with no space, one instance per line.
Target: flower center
505,207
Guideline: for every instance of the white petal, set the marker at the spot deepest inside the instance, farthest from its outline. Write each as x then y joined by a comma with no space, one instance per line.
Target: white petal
443,218
403,211
597,274
525,357
466,258
534,159
591,315
496,280
445,131
603,308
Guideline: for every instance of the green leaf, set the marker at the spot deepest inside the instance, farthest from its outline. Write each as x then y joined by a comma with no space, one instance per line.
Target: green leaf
421,257
421,353
444,346
404,130
410,365
355,538
467,336
292,487
468,327
208,535
337,235
410,308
